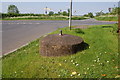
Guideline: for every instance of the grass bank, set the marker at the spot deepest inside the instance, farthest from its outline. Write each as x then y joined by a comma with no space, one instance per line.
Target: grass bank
100,60
107,18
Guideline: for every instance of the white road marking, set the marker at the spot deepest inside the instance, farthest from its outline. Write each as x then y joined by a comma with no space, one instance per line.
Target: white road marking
30,23
37,23
18,23
24,23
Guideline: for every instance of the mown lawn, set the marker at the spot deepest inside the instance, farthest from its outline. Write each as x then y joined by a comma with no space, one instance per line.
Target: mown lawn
107,18
100,60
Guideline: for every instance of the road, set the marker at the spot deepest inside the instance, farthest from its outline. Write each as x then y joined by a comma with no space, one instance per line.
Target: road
17,33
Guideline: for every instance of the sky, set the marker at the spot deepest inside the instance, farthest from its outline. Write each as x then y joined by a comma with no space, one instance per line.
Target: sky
79,8
59,0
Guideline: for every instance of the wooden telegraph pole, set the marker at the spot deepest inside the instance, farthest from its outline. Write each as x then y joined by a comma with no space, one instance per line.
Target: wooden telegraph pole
70,15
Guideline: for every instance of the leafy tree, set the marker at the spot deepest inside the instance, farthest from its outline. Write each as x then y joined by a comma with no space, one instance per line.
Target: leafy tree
68,12
99,13
65,13
115,10
90,15
51,13
59,13
13,9
86,15
56,14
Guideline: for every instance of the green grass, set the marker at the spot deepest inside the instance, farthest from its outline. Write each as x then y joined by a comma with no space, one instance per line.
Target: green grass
100,60
45,18
37,18
107,18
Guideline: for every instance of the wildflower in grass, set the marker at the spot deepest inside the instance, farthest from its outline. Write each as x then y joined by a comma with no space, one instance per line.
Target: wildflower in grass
116,67
107,61
98,59
74,73
113,60
78,74
59,75
36,44
95,60
71,60
65,60
85,72
105,52
24,50
21,71
76,64
71,75
42,67
100,63
103,74
93,65
88,68
89,46
15,72
73,63
60,64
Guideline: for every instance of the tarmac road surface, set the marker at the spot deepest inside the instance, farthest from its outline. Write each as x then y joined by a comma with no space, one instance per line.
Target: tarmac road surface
18,33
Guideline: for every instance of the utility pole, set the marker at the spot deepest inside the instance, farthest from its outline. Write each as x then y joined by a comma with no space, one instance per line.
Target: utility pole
70,15
46,10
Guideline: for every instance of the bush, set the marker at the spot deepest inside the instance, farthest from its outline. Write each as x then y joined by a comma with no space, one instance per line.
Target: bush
90,15
51,13
78,18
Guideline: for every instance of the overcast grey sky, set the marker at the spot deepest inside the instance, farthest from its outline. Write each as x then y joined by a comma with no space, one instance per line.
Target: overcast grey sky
79,8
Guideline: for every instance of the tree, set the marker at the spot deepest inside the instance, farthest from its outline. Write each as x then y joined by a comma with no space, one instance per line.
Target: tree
90,15
99,13
65,13
115,10
59,13
68,12
86,15
51,13
13,9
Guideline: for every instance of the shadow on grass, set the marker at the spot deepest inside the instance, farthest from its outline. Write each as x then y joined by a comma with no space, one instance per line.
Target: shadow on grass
78,30
114,29
80,47
107,27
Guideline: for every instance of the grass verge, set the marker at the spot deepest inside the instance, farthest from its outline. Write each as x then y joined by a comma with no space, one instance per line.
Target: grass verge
45,18
107,18
100,60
